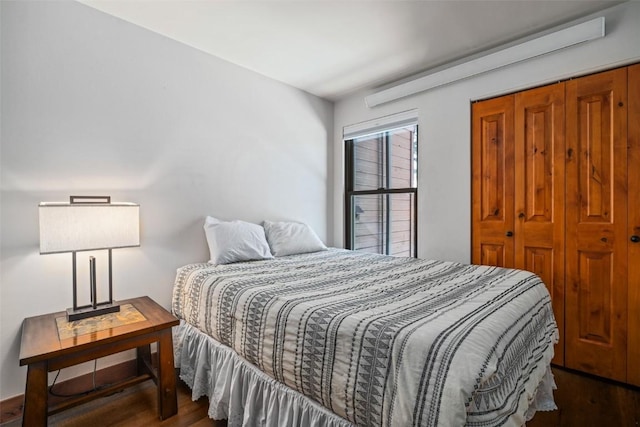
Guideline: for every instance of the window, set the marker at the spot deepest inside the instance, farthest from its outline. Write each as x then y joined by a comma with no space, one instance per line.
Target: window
381,190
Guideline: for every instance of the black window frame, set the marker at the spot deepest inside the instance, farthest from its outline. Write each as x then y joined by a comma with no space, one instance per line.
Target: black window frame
350,193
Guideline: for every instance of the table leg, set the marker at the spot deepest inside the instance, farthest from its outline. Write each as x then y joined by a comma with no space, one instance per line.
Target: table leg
167,398
143,360
36,396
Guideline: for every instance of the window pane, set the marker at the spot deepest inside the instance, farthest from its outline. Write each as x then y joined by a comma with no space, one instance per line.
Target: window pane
384,223
386,160
368,221
402,223
369,165
402,152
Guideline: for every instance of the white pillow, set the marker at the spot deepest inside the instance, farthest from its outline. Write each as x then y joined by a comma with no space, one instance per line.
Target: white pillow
289,238
233,241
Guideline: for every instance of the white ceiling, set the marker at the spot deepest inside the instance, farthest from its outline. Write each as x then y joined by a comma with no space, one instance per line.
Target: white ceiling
331,48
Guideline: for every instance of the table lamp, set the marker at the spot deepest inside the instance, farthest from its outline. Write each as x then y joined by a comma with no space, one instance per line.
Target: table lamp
88,224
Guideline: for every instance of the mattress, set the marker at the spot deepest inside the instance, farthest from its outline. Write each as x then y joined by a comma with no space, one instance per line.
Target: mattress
382,341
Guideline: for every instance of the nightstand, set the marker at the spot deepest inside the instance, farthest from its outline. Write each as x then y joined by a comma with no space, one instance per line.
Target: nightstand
50,343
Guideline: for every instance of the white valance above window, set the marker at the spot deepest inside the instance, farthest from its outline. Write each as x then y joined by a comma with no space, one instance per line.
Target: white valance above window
393,121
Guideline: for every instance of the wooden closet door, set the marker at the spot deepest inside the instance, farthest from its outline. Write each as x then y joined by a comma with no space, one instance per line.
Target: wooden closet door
492,187
596,225
633,367
540,192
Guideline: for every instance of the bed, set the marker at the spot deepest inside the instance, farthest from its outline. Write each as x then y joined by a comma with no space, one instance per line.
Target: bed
339,338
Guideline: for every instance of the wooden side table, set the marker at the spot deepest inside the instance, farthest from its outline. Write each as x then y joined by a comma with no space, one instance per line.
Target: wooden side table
43,350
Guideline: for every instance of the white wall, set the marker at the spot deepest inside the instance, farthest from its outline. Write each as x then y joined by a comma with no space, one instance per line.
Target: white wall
92,105
444,146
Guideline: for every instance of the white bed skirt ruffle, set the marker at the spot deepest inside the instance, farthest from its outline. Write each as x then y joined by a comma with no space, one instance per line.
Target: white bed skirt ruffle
240,392
543,400
246,396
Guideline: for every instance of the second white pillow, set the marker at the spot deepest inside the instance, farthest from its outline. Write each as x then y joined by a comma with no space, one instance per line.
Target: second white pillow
289,238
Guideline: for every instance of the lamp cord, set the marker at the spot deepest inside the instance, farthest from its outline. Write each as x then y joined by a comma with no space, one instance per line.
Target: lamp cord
81,393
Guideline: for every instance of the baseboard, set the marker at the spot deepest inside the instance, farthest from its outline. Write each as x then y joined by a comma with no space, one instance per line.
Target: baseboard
11,408
629,386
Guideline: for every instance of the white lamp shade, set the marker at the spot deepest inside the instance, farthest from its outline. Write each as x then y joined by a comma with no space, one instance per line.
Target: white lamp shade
66,227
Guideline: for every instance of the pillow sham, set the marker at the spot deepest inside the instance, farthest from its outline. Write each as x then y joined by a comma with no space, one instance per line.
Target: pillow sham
233,241
289,238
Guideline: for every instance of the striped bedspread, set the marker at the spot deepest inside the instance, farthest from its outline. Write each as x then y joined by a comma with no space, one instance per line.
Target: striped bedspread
382,341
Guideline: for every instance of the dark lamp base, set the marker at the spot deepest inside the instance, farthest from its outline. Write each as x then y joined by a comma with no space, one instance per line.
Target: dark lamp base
88,311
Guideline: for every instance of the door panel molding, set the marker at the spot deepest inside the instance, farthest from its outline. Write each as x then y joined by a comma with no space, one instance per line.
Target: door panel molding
596,225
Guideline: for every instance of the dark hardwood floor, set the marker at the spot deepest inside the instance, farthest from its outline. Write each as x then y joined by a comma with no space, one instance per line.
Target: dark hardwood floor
583,401
133,407
586,401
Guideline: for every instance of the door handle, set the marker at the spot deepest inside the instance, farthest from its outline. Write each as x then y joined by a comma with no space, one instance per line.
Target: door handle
510,233
635,239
